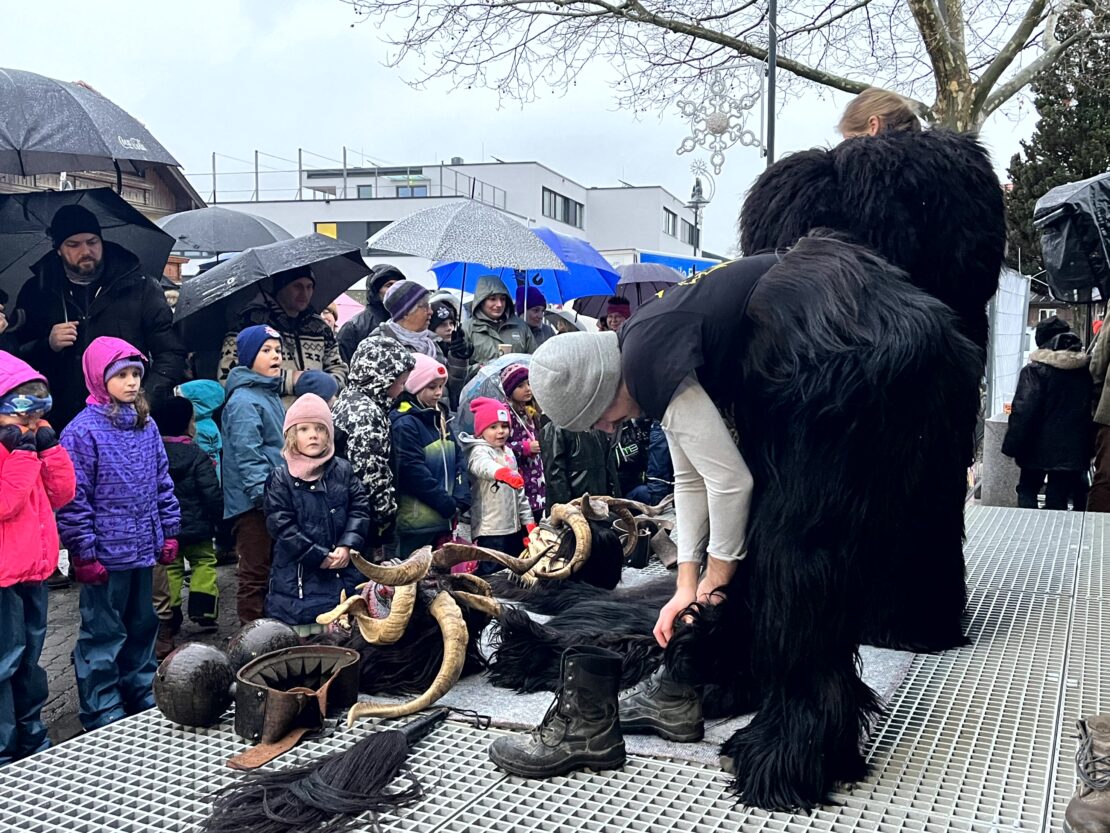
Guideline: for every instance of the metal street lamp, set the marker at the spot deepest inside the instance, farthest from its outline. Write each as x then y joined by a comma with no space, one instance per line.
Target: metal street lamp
697,202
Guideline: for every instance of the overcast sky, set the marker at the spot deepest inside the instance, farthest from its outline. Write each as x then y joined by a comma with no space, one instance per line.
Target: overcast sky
233,77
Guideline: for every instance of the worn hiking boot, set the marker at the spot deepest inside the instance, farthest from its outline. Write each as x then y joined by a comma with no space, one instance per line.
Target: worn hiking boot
662,706
1089,809
163,643
580,730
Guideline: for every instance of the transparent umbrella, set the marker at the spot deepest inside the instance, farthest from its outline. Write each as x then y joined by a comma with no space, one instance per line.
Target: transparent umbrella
486,382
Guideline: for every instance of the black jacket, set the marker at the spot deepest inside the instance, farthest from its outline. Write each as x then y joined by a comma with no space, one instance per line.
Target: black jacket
197,491
124,303
307,520
1050,426
362,325
577,462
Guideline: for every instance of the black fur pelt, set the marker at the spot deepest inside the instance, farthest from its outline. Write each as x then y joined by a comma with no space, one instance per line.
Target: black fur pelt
929,203
855,387
526,654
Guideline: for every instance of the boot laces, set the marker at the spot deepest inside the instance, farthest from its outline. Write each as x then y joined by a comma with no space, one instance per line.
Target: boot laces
553,727
1093,770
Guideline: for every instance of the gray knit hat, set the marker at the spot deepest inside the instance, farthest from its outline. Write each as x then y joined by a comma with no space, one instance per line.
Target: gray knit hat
575,377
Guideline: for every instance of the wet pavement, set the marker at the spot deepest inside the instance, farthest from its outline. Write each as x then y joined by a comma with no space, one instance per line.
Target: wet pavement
60,712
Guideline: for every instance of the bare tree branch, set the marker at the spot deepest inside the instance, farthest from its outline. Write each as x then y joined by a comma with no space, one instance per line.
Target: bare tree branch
1033,15
1006,91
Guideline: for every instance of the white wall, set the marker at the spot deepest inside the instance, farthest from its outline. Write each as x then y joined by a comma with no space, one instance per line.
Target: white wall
632,218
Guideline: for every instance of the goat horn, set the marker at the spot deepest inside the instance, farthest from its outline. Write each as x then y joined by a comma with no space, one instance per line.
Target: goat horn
341,609
593,508
573,517
446,612
471,584
388,630
453,553
407,572
632,531
482,604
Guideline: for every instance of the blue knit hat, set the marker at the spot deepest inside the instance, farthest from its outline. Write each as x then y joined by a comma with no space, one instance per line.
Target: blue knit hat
250,341
318,382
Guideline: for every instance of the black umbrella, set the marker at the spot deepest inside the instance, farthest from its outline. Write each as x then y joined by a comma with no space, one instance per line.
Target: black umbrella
25,220
216,230
639,283
221,292
48,126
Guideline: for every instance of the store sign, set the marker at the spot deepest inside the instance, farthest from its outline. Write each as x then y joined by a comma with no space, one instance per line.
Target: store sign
685,265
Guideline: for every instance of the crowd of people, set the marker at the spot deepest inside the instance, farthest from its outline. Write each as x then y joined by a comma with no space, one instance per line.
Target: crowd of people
311,443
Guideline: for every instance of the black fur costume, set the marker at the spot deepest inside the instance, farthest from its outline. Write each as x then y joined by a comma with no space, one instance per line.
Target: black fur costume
860,396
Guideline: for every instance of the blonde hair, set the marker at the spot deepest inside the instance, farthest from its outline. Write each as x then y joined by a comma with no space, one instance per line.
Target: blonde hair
291,439
892,110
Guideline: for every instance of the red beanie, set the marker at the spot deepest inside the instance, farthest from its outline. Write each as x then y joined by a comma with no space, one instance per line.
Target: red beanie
619,305
486,412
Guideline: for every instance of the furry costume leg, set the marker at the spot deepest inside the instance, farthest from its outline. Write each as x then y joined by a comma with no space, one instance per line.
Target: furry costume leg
842,348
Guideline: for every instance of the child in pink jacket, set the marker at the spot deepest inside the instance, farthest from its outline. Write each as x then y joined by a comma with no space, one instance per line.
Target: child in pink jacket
36,477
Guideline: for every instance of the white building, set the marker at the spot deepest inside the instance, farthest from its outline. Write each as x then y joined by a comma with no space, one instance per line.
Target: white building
626,223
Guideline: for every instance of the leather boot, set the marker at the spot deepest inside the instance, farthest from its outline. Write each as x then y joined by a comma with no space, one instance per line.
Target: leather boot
163,643
1089,809
662,706
581,729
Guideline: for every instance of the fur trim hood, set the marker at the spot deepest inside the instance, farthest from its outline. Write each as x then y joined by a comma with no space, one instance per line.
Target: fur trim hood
1060,359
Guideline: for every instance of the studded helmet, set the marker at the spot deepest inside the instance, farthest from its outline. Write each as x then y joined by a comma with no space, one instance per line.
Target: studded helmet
257,638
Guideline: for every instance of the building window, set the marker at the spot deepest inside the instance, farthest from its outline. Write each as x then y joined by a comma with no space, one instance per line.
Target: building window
1044,314
690,235
670,222
412,190
353,232
366,192
563,209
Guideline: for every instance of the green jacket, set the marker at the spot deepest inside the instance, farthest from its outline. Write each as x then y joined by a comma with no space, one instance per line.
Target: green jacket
486,335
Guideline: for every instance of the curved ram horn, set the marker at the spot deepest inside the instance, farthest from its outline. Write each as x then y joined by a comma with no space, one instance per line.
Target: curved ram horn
593,508
638,508
470,583
482,604
388,630
451,554
343,609
631,537
446,612
407,572
573,517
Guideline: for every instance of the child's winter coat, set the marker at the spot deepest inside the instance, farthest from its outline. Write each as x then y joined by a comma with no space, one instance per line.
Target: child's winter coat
362,429
207,396
522,431
496,508
252,437
124,508
428,470
307,519
197,490
32,486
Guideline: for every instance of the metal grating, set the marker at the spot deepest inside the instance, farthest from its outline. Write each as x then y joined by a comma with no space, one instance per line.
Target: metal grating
1026,550
1093,576
973,740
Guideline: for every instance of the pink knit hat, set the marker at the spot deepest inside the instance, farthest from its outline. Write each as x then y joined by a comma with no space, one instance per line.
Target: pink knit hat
486,412
308,408
424,372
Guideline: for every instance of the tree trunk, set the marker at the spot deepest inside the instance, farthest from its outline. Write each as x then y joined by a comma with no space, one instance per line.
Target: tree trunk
954,107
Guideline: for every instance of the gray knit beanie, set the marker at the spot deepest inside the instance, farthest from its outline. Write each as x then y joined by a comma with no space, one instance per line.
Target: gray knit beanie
575,377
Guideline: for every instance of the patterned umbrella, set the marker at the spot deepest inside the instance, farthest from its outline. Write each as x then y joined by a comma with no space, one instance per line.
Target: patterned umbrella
586,272
218,230
467,231
639,283
48,126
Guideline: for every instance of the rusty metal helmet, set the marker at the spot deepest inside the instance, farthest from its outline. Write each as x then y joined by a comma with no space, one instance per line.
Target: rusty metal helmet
192,686
257,638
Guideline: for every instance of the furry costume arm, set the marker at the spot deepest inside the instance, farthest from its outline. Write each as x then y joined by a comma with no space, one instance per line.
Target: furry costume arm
713,486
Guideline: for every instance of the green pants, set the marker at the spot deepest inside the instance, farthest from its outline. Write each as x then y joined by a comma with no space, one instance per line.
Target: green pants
203,592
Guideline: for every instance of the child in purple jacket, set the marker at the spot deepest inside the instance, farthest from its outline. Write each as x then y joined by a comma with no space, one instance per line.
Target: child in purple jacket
123,519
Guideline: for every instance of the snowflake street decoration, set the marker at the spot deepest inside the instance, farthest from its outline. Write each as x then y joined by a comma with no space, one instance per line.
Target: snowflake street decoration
718,122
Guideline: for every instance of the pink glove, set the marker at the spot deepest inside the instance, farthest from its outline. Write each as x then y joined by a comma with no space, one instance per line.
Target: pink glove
88,571
509,477
168,555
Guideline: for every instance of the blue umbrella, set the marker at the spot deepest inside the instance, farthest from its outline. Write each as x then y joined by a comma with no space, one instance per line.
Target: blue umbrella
587,272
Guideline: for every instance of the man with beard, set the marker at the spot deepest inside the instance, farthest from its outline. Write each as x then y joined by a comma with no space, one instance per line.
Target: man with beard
84,288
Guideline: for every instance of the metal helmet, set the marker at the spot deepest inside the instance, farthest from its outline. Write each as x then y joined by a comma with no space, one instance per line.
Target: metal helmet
192,686
257,638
